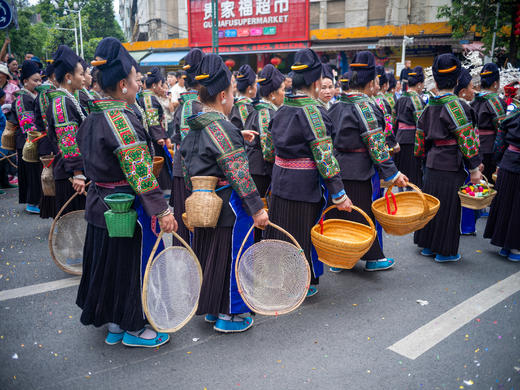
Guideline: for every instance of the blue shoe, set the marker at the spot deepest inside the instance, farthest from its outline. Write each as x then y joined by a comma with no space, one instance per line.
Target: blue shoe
444,259
379,265
336,270
210,318
504,252
514,256
32,209
114,338
313,290
230,326
136,341
427,252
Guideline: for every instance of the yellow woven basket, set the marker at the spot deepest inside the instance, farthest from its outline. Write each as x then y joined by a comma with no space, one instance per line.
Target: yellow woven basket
474,203
158,163
410,211
341,243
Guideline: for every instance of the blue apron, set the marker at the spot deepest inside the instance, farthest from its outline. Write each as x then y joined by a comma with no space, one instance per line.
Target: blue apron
377,193
468,218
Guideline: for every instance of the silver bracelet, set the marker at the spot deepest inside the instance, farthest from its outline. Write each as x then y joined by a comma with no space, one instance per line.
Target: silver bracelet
164,213
80,177
340,199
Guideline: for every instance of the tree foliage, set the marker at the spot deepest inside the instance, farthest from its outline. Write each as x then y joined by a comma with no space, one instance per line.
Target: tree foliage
38,31
480,15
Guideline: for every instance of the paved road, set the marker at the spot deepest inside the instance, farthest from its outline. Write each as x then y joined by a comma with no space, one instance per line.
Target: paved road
338,339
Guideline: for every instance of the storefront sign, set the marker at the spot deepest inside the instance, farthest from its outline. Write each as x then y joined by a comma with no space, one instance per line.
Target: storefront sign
249,21
264,47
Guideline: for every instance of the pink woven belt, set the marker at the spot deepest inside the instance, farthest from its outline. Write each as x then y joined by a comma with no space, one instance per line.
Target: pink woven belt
296,163
513,148
485,132
113,184
444,142
222,182
404,126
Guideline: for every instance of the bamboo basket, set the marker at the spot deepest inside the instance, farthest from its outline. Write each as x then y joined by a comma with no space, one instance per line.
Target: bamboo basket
341,243
158,163
185,220
411,211
203,205
475,203
9,136
47,178
30,148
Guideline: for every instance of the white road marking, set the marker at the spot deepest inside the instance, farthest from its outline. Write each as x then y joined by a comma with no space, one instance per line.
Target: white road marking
38,288
429,335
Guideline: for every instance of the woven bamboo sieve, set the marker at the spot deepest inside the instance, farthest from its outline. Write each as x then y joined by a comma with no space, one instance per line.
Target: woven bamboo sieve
341,243
411,211
203,205
30,148
9,136
47,178
158,163
474,203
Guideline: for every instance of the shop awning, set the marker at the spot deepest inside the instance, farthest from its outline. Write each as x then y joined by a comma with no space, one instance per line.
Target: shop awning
138,55
163,58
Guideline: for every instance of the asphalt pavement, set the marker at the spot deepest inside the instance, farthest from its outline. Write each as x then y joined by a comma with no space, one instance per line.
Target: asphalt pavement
337,339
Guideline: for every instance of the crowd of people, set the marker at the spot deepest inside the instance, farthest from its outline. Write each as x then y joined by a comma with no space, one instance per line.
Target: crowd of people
302,141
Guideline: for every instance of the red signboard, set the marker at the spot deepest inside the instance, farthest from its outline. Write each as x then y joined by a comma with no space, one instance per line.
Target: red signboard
243,22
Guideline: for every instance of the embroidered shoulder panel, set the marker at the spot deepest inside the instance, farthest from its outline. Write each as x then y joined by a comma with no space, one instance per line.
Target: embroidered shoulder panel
367,115
151,113
496,106
419,148
108,104
26,118
266,139
187,96
467,137
241,105
417,105
133,155
299,101
186,112
233,161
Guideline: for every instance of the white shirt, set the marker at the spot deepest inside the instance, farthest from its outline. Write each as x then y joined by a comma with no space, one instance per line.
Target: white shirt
175,92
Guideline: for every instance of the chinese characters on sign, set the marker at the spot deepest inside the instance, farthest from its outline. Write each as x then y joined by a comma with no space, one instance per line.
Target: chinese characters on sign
249,21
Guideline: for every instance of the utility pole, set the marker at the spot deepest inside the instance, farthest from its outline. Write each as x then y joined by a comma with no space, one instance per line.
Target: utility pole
495,32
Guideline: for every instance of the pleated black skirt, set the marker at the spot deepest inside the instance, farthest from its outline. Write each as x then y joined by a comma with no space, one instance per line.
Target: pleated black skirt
110,287
177,198
441,235
48,207
29,181
297,218
64,191
410,165
360,193
213,249
503,224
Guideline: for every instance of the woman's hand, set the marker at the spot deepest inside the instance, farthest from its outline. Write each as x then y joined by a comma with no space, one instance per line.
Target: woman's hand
397,148
346,205
168,143
261,219
79,186
168,223
249,135
401,181
475,177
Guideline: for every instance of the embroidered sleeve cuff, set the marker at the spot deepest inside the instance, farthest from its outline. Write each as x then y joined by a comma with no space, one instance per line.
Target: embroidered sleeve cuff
339,194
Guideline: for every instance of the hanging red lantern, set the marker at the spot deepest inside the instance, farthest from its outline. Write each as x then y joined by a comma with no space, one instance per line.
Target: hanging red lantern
230,63
276,61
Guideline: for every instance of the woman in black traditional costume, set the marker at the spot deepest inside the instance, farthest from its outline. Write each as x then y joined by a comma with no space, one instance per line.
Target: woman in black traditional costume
247,89
464,90
361,147
381,85
22,115
116,151
260,152
154,114
45,145
503,224
64,116
189,105
215,147
83,95
409,108
447,139
490,109
304,163
390,94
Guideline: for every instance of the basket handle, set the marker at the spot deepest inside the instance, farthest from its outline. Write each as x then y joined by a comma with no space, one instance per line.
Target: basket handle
274,226
363,214
418,190
68,202
486,180
387,198
158,240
